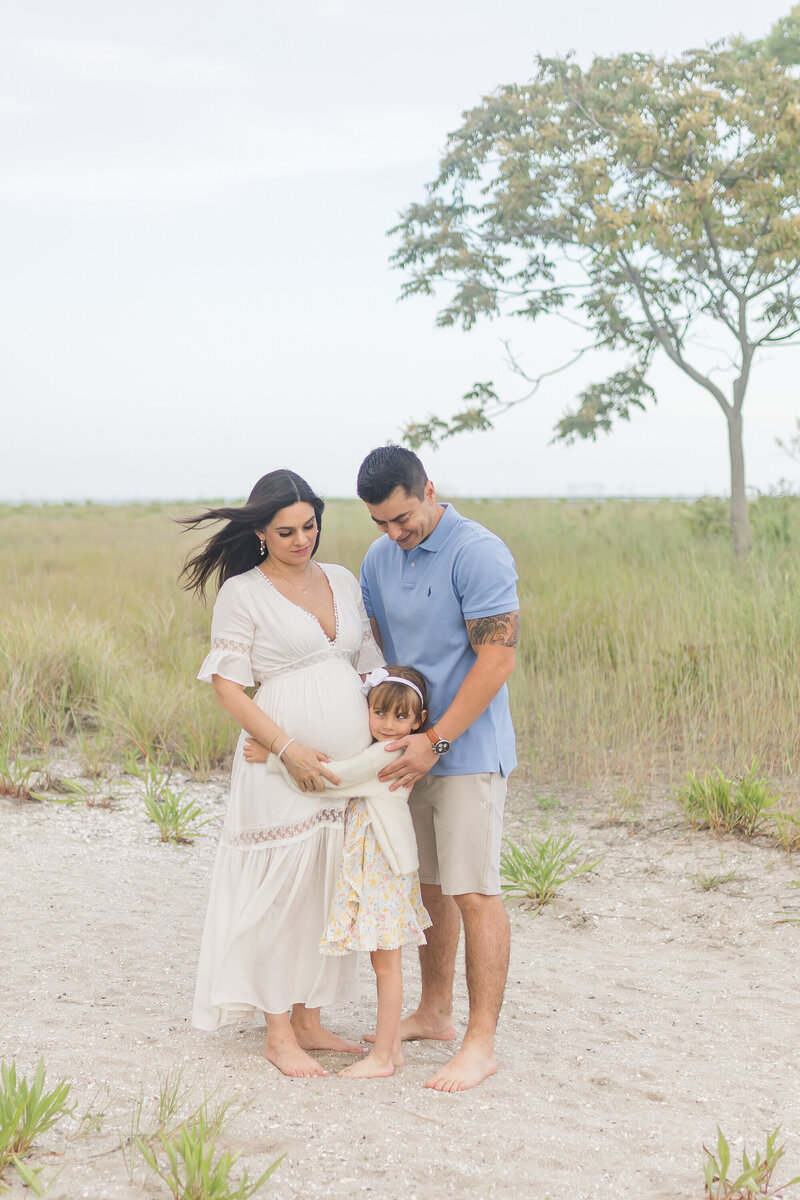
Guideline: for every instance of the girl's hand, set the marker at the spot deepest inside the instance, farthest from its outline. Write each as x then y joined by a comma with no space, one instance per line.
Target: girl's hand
254,751
305,767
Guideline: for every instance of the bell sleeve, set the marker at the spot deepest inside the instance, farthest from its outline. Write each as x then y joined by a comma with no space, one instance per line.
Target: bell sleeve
232,634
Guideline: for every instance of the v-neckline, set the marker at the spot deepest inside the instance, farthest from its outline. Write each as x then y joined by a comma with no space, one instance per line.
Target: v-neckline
330,640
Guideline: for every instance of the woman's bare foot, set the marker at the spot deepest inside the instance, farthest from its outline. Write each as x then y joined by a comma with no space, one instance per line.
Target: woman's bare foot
417,1027
312,1036
292,1060
466,1069
373,1067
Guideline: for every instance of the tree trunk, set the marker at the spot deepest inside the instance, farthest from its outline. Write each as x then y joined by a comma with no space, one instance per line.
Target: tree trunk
740,521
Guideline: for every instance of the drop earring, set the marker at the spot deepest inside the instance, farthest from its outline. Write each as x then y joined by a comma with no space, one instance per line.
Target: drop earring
263,547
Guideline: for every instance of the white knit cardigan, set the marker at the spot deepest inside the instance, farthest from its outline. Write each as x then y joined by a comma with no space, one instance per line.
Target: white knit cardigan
388,811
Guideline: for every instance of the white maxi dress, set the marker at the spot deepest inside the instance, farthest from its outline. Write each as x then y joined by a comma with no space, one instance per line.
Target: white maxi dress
279,850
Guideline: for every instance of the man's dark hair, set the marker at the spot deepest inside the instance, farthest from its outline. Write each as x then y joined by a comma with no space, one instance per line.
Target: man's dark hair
387,468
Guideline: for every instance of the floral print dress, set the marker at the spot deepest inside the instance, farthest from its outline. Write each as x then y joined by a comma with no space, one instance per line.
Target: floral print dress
372,909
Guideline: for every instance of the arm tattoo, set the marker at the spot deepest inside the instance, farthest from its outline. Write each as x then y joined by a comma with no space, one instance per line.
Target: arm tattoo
502,630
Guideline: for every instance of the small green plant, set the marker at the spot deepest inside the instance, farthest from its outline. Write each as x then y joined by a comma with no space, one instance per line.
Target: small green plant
16,773
625,808
192,1169
94,751
546,801
177,820
787,830
26,1111
538,871
741,805
173,1097
708,883
755,1178
93,1119
58,790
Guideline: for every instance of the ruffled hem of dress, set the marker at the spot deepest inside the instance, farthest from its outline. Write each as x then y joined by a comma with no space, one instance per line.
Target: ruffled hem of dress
339,948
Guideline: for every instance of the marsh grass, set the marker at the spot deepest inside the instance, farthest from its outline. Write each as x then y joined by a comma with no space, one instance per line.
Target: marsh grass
164,1118
709,882
537,871
625,807
755,1177
787,829
191,1165
644,649
743,805
17,773
177,1138
26,1112
178,820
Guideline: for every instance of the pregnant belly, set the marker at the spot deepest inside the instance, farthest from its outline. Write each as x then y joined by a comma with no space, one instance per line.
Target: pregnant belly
320,707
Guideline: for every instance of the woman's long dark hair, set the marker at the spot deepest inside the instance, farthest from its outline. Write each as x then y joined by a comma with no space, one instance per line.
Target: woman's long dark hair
235,548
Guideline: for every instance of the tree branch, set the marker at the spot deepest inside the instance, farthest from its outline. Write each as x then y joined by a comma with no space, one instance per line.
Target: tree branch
673,351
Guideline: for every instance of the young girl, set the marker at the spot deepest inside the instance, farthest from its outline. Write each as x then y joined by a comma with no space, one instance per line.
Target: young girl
376,903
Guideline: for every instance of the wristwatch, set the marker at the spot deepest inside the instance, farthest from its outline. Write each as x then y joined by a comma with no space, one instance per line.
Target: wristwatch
440,745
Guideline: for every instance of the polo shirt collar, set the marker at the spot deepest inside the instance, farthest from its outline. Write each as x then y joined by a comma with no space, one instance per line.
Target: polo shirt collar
445,524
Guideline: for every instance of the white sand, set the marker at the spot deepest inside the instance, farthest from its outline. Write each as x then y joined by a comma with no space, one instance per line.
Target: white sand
641,1012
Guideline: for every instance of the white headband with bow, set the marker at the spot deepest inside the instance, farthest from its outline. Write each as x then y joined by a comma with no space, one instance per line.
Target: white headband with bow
381,675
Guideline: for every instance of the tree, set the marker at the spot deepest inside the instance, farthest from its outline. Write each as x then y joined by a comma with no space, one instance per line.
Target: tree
656,201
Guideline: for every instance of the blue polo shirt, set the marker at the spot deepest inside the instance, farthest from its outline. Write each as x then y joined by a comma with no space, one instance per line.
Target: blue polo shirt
421,599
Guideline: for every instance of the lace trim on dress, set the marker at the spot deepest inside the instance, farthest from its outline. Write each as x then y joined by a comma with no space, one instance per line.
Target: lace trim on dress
275,834
301,664
221,643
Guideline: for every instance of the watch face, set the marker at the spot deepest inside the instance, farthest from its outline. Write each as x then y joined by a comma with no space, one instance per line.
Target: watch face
442,746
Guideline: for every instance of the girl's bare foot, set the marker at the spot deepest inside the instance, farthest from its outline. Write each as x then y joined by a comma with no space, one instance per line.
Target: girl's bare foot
292,1060
372,1067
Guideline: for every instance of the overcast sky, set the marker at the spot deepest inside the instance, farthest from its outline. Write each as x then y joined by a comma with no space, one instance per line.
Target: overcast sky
196,288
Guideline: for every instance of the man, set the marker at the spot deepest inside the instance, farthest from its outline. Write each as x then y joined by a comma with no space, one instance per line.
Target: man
440,591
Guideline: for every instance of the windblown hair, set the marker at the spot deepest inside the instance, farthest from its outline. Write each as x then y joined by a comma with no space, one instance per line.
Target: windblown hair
396,697
387,468
235,547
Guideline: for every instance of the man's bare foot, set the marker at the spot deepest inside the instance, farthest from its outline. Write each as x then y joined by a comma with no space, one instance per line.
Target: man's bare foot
292,1060
416,1028
372,1067
323,1039
466,1069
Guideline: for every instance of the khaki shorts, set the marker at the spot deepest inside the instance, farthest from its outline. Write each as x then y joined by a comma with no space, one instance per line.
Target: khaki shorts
458,820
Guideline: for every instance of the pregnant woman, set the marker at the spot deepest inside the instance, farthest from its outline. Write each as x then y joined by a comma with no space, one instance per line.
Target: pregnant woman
298,630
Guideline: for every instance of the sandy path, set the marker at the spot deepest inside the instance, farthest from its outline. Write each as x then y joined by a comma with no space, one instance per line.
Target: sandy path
641,1012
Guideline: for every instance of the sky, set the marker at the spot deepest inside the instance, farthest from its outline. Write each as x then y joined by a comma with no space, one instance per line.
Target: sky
196,288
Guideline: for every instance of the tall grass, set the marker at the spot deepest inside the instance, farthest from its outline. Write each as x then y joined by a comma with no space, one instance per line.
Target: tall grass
643,646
